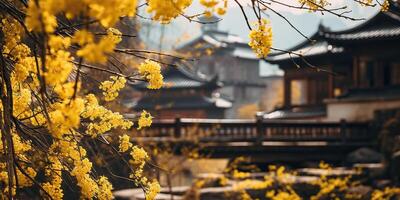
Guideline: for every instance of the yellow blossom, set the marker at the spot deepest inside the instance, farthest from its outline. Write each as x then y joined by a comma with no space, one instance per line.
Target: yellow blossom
214,6
153,189
111,88
385,194
139,155
106,118
96,52
83,37
151,71
240,175
145,120
105,189
314,5
42,14
166,10
385,6
124,143
261,39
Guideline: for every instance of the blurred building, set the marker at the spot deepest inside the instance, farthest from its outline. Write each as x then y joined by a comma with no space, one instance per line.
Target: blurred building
185,95
230,57
347,74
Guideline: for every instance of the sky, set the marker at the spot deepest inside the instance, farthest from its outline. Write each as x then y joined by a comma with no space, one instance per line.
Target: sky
181,30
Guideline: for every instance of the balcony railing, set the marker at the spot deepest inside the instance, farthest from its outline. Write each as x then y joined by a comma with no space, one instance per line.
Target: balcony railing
212,130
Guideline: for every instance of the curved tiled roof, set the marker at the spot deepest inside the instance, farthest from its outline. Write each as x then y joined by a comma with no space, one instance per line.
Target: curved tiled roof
297,113
184,102
221,39
384,25
314,46
180,77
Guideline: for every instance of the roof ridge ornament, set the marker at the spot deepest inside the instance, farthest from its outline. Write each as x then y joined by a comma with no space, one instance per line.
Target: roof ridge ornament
322,28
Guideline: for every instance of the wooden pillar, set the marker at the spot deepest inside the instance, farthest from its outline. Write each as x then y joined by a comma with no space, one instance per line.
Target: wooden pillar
287,91
355,72
343,131
331,83
177,128
379,74
260,130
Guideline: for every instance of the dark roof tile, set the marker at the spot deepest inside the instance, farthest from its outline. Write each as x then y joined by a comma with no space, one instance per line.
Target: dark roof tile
180,77
186,102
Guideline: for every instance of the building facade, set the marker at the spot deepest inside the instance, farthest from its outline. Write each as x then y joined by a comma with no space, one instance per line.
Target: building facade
184,95
229,57
347,74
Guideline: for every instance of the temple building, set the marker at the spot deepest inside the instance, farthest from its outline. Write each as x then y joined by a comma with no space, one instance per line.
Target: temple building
184,95
347,74
228,56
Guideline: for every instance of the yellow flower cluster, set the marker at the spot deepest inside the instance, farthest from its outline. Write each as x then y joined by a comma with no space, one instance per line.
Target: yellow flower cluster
124,143
66,90
261,39
96,52
253,184
75,155
145,120
365,2
107,12
151,71
139,156
290,194
105,189
53,187
58,63
385,194
314,5
385,6
47,98
214,6
24,68
329,185
245,196
21,99
18,52
139,159
111,88
81,170
152,190
240,175
12,32
21,148
41,15
65,116
166,10
106,119
23,180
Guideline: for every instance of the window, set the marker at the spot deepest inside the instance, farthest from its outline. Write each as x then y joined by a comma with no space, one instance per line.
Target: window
367,74
298,92
395,74
311,91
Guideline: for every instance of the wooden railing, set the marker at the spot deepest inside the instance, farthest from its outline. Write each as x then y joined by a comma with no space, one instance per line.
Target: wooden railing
211,130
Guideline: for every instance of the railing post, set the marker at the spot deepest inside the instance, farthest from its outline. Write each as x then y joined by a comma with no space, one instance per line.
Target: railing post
177,127
343,127
260,129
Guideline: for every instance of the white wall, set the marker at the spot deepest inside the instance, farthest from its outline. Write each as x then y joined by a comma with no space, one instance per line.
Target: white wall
358,110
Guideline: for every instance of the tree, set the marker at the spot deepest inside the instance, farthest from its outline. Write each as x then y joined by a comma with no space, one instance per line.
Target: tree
52,52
